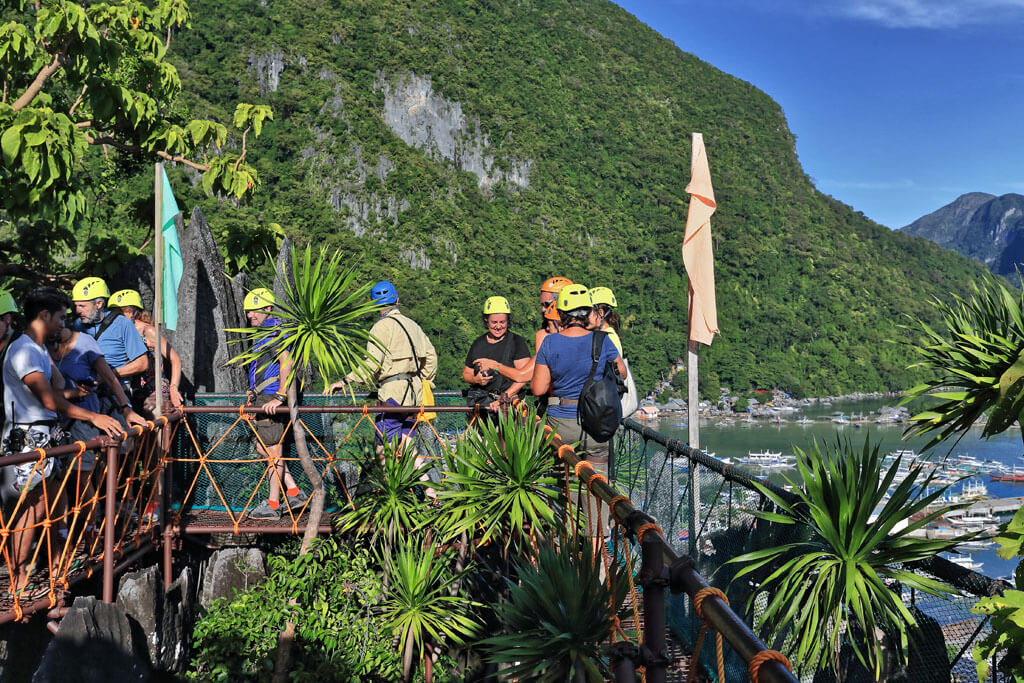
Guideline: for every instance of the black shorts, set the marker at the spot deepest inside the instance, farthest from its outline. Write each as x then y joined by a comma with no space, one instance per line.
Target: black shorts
271,428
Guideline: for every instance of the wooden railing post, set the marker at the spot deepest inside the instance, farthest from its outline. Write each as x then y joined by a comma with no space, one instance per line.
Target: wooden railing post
110,516
166,530
654,578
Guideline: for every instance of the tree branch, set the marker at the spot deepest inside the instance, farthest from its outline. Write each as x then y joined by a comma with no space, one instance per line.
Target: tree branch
37,84
242,155
25,273
81,96
113,142
83,124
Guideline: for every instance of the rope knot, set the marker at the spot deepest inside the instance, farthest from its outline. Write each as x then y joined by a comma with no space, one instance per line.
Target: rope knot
763,657
708,591
580,466
644,528
594,478
563,449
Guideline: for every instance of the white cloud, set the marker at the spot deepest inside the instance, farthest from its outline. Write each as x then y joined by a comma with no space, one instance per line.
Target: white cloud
928,14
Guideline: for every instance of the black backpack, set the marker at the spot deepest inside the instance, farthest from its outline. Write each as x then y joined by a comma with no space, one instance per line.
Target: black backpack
599,410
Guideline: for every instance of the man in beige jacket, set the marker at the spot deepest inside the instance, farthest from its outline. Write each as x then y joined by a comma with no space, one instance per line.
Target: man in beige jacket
399,363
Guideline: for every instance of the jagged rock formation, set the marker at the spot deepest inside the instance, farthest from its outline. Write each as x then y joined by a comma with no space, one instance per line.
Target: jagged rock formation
94,643
163,620
230,570
208,303
980,226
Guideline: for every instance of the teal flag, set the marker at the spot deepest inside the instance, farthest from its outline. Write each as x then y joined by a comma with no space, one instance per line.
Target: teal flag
172,256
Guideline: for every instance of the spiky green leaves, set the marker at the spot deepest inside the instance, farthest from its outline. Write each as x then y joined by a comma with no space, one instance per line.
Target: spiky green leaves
835,583
557,616
323,318
977,361
500,481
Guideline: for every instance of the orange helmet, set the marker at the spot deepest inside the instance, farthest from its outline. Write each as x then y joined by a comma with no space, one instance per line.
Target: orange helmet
555,284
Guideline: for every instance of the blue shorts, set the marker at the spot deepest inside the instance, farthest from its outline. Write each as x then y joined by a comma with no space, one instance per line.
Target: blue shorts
391,426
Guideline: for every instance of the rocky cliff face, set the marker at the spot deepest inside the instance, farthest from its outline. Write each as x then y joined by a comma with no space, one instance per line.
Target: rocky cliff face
981,226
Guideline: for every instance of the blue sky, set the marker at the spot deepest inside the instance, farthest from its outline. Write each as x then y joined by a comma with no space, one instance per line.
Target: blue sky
898,106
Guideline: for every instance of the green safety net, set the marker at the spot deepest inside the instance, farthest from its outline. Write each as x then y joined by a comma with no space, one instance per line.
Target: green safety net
231,475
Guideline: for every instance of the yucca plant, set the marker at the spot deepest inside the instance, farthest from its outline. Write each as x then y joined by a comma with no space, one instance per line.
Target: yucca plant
386,504
420,605
832,586
557,616
977,362
322,310
500,481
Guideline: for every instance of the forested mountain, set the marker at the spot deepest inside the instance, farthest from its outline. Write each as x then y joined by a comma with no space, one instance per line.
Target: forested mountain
980,226
470,149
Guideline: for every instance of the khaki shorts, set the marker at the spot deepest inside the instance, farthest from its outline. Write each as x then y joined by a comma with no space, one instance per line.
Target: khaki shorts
271,428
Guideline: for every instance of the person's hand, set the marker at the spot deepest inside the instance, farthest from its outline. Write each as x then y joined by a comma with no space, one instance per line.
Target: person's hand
270,406
133,418
486,364
493,407
106,424
77,393
175,395
336,386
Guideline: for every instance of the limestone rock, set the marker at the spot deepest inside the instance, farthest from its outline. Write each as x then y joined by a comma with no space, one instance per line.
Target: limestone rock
179,614
140,595
93,645
231,570
209,302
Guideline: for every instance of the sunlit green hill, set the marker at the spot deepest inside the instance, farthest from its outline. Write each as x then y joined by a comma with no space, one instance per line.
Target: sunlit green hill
470,149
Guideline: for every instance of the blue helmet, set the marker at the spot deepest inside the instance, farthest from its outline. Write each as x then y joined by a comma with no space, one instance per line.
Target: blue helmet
384,292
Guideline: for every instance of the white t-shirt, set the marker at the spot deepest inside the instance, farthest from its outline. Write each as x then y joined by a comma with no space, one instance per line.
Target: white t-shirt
23,358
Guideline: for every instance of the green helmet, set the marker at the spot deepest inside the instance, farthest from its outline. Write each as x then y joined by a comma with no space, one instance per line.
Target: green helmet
7,304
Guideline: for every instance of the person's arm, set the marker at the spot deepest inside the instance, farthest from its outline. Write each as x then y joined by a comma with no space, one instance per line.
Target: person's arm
521,372
540,383
136,366
172,355
520,367
471,376
41,389
109,377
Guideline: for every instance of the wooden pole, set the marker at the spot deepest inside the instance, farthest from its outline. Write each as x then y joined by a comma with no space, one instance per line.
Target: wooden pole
158,276
693,430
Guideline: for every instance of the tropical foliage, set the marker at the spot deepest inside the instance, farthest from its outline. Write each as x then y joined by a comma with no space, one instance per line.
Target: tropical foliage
975,363
88,90
1005,642
501,482
834,585
557,616
337,588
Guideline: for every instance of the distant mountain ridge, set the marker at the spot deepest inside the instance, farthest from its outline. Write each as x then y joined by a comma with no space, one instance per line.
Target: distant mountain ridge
980,226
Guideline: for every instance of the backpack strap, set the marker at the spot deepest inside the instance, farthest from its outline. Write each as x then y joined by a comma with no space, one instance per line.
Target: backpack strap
106,323
595,356
415,357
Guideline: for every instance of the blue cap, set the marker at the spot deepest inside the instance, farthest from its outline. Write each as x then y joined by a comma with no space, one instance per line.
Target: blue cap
384,292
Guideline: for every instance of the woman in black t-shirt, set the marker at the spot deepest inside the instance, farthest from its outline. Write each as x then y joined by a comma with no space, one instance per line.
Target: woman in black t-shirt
501,345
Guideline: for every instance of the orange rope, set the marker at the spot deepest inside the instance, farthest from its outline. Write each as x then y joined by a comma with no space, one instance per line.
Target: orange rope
615,501
766,656
582,465
594,478
645,528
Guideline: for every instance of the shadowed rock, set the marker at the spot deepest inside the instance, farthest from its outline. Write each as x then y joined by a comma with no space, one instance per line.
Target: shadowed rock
94,644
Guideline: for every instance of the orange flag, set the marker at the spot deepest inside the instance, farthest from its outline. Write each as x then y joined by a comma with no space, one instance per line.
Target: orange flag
697,256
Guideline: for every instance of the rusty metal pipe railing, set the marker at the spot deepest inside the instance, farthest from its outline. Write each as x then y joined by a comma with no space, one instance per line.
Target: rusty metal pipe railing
352,410
110,514
718,614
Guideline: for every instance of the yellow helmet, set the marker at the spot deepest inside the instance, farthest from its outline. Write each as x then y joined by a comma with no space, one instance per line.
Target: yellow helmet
258,298
7,304
126,297
90,288
572,297
602,295
496,304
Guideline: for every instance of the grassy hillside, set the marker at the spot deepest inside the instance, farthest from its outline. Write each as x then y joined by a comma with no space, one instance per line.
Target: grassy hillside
599,109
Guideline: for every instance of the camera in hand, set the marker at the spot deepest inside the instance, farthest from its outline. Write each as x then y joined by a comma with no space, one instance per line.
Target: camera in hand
483,373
